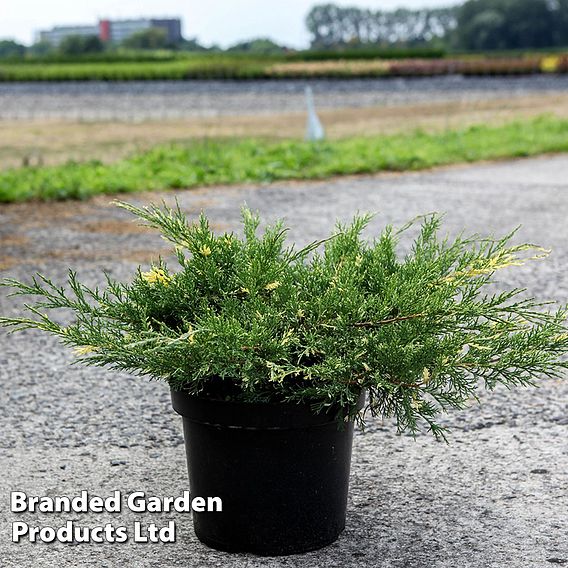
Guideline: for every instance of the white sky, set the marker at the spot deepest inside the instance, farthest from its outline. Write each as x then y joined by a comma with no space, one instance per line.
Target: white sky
212,21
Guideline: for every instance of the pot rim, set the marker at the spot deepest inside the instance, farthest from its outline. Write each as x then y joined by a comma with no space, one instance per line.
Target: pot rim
251,415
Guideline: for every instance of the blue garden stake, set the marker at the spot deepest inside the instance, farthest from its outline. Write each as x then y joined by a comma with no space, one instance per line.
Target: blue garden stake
314,128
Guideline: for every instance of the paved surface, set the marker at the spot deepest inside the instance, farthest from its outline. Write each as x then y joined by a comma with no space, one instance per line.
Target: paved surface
134,100
496,497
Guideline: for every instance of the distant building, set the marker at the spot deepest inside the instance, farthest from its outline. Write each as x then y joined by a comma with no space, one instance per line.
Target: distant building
57,34
172,27
115,31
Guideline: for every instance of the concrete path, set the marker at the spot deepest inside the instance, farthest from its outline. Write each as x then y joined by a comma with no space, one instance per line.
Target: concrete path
495,497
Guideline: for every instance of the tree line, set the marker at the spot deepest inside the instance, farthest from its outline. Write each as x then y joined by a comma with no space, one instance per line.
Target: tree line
152,39
512,24
473,25
333,26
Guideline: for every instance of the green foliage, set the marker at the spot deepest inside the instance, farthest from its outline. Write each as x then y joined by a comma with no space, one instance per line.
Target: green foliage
258,46
222,162
78,45
365,51
333,26
511,24
9,48
253,320
134,66
46,54
191,44
473,25
41,49
152,38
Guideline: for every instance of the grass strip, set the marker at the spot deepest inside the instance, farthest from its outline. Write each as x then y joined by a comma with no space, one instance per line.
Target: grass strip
210,162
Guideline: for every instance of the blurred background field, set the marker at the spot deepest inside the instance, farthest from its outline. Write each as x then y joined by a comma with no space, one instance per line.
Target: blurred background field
83,98
475,37
335,64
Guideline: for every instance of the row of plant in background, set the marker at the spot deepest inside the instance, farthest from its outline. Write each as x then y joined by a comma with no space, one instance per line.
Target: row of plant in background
117,56
143,55
421,67
198,67
239,161
412,68
345,68
479,66
242,67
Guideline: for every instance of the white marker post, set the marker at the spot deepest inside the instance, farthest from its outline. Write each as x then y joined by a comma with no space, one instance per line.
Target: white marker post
314,128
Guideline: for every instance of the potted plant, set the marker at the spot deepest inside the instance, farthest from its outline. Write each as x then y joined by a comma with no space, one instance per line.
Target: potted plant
273,353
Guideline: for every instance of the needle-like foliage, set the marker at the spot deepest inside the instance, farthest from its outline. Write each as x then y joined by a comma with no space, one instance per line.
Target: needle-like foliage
255,320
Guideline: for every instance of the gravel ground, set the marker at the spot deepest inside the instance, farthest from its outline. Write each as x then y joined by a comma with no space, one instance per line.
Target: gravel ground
162,99
495,497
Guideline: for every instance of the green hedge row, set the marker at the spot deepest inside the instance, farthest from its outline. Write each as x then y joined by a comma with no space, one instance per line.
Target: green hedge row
367,53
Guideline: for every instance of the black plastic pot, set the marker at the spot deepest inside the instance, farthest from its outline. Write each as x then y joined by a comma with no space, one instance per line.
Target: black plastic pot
281,471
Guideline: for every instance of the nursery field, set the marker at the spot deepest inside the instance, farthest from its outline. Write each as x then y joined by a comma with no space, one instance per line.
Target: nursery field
303,64
211,162
176,69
